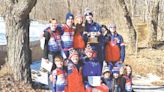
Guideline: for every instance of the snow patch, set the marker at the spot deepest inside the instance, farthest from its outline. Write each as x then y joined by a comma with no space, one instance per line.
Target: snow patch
35,29
140,80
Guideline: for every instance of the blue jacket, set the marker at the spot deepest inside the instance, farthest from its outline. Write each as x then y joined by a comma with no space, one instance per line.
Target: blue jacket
93,27
52,45
67,37
59,76
91,68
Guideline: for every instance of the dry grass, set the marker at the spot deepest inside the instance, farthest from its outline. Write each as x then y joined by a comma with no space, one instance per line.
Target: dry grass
5,71
147,61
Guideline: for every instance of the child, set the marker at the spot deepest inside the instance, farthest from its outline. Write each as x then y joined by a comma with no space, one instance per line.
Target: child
68,32
52,44
91,67
107,78
122,80
115,80
75,82
128,77
93,33
58,76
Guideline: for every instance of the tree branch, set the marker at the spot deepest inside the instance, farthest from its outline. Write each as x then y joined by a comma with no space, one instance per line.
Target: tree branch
23,7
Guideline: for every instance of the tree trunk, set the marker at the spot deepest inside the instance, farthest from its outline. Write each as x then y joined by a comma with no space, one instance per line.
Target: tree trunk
17,34
69,5
153,23
132,33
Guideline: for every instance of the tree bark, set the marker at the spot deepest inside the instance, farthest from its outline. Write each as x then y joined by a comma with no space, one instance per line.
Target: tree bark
132,33
17,33
153,23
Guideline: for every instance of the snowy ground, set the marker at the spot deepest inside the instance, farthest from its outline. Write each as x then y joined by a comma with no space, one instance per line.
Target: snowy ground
143,88
144,84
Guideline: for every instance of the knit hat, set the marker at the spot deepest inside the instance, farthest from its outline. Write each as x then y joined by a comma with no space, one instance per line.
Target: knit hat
115,70
106,69
88,12
72,52
69,15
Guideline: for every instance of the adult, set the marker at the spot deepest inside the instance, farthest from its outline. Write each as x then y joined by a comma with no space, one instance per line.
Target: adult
52,44
115,48
67,36
93,32
79,42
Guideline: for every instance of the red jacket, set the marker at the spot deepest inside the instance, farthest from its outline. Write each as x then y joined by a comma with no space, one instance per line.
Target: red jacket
112,52
74,79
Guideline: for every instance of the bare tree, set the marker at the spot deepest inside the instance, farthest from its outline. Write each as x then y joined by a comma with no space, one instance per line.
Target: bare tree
132,32
153,6
17,34
69,5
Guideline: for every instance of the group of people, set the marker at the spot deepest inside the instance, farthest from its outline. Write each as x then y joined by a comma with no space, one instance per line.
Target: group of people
82,48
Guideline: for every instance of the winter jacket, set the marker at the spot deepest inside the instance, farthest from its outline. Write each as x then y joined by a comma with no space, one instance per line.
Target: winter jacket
122,83
117,42
115,85
52,41
74,78
67,37
107,82
92,27
60,83
79,42
91,67
128,84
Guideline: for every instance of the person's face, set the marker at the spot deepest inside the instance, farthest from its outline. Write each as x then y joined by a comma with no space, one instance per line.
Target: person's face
58,62
128,69
75,59
79,20
89,18
103,29
70,21
107,75
115,75
53,24
89,54
112,29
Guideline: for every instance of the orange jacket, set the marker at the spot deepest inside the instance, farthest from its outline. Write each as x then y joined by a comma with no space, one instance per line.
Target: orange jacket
74,79
112,52
78,42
